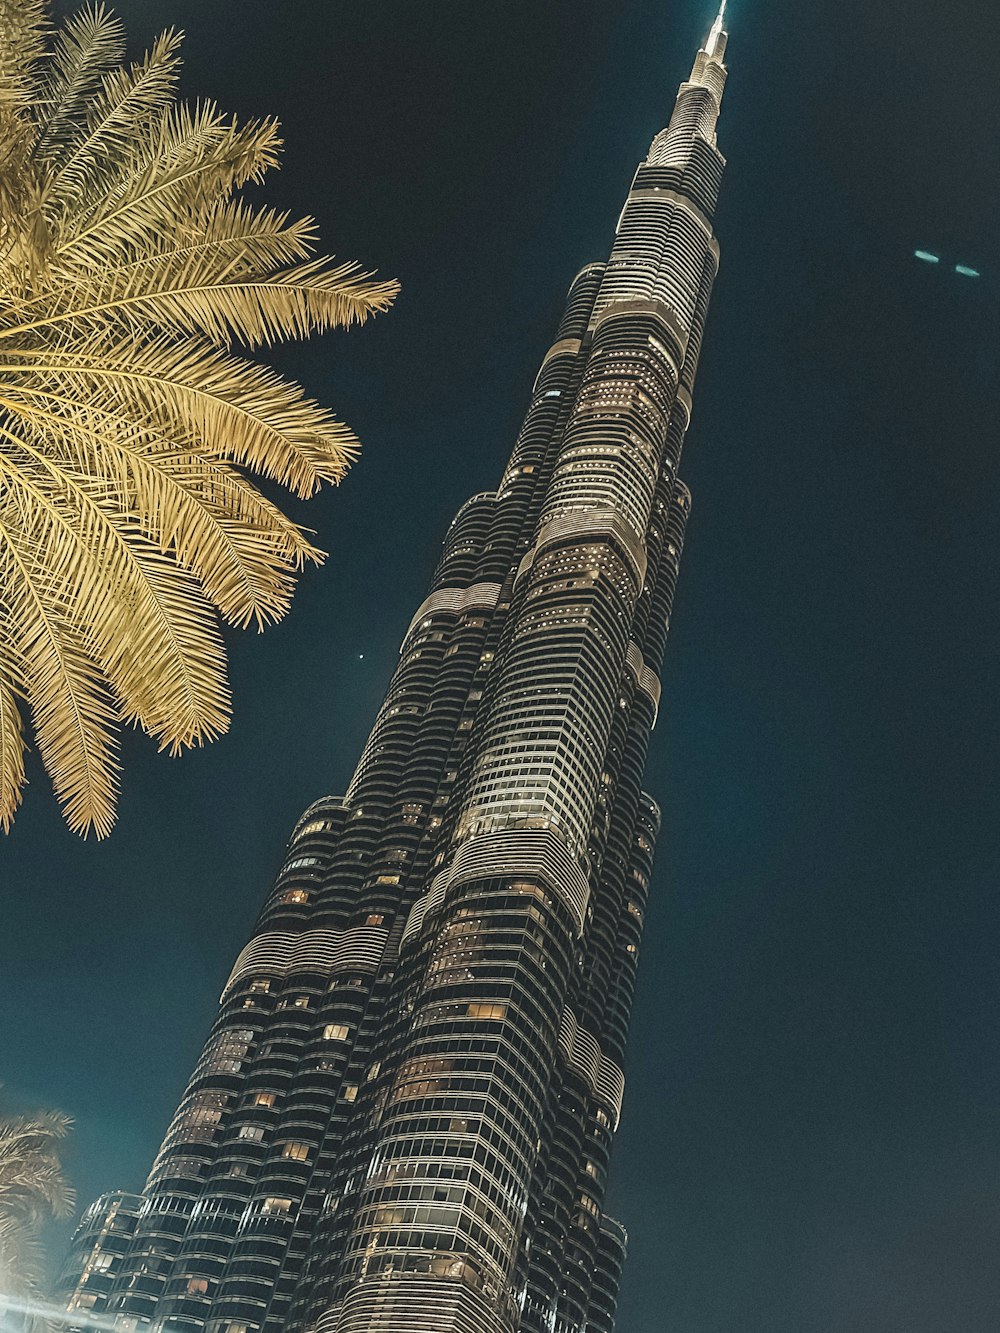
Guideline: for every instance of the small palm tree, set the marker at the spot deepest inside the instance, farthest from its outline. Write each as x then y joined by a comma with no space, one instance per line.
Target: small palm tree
130,267
33,1190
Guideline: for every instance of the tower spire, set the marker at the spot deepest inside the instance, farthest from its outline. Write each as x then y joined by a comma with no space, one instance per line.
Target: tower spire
717,33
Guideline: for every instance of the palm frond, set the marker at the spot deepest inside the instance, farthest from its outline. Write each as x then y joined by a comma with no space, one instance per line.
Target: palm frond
33,1190
72,712
11,749
117,120
150,628
221,404
217,287
239,545
131,431
86,48
191,159
24,28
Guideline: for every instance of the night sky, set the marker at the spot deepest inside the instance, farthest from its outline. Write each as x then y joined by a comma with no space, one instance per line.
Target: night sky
811,1140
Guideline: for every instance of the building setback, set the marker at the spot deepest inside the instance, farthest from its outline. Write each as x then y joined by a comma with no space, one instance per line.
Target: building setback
403,1117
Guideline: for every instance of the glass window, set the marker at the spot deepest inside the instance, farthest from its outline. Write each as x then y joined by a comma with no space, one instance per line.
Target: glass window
273,1205
336,1032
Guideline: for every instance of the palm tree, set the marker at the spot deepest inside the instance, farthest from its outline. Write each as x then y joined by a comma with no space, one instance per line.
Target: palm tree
130,269
33,1190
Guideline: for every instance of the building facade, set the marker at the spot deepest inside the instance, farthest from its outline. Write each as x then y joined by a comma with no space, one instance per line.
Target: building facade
403,1118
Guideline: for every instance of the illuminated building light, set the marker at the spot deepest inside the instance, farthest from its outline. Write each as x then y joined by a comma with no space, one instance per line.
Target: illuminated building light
927,257
967,272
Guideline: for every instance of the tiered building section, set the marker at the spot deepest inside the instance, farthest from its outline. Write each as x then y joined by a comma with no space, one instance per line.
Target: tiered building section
402,1121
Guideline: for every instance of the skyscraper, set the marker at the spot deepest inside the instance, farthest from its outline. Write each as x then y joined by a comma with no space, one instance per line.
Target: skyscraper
402,1120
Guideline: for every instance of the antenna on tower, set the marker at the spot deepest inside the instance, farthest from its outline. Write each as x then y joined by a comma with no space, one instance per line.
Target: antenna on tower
718,28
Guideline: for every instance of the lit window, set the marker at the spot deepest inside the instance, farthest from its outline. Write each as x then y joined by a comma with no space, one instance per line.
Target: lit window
375,918
296,1152
295,896
302,1002
260,984
336,1032
487,1010
302,861
253,1132
197,1286
350,1092
387,879
272,1205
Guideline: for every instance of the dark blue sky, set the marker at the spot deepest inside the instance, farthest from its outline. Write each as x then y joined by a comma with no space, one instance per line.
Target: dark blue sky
812,1131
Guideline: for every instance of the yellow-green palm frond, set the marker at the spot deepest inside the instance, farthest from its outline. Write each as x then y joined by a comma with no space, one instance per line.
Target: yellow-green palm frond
33,1191
192,158
11,747
131,425
88,46
24,28
115,121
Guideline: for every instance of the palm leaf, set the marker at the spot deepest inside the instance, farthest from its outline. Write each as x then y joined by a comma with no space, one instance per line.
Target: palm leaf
33,1190
131,431
89,45
191,159
116,120
11,749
